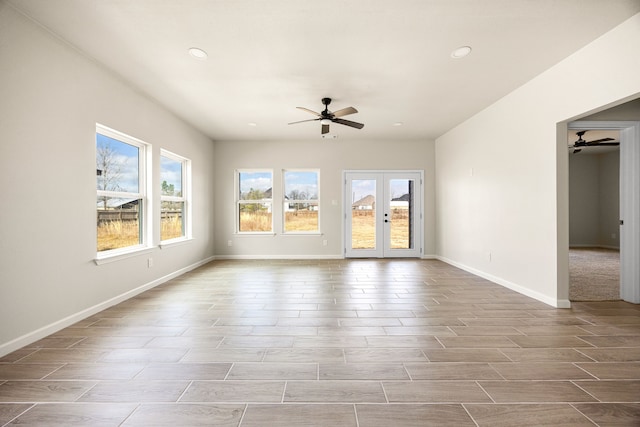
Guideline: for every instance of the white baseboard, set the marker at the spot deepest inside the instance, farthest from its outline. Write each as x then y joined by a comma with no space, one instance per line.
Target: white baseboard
249,257
47,330
258,257
510,285
617,248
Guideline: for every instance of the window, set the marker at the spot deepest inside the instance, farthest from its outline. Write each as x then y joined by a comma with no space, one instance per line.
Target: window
254,201
174,203
301,202
121,206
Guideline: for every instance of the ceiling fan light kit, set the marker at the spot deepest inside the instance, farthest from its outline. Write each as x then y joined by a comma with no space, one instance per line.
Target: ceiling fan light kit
327,117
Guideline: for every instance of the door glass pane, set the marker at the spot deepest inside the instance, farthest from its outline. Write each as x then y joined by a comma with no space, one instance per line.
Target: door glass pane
401,209
363,214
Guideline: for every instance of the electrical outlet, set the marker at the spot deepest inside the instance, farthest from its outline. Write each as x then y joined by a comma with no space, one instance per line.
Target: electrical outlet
149,262
229,243
613,235
324,243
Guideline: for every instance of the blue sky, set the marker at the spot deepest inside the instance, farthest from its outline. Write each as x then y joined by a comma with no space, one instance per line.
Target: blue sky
124,158
364,187
305,181
302,181
171,171
257,180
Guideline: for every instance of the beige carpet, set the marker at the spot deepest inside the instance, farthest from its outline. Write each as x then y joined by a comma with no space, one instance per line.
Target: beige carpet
594,274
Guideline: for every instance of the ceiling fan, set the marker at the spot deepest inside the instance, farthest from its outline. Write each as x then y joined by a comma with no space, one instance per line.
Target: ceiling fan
327,117
580,143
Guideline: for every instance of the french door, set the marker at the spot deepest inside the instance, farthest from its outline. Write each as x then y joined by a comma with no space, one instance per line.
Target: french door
383,214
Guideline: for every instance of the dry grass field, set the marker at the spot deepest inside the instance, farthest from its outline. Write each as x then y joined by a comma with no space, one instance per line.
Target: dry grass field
363,229
120,234
255,221
301,221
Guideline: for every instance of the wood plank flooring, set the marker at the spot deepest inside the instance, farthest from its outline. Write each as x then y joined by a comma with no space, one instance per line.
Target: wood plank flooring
331,343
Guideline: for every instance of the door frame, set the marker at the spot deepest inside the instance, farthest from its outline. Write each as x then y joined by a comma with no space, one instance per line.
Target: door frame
419,215
629,201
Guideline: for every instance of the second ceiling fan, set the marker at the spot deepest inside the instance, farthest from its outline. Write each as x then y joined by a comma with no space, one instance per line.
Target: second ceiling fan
327,117
581,143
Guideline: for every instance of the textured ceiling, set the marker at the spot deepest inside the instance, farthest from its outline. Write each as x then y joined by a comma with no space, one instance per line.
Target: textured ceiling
390,60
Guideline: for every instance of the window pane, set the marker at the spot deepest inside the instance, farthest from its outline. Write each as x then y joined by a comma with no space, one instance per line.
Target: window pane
301,185
255,185
171,177
118,222
171,220
300,216
255,217
402,208
363,214
116,165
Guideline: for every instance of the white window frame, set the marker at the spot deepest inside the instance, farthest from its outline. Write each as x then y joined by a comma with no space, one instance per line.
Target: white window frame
285,201
239,201
143,194
185,198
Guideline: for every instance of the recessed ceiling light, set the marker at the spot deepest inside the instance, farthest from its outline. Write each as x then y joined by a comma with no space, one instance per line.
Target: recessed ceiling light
461,52
398,124
198,53
252,124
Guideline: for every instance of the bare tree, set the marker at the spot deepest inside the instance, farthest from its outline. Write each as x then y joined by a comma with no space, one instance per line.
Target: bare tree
295,196
108,170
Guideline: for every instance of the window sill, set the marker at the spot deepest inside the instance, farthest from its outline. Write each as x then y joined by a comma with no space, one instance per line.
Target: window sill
118,255
303,233
175,242
249,233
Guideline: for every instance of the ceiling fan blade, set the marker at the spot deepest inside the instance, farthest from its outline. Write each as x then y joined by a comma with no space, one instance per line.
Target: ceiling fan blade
302,121
344,112
325,129
308,111
348,123
598,141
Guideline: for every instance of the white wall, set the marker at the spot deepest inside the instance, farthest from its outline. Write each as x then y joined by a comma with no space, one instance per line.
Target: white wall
50,100
594,200
332,157
629,111
609,200
514,205
584,200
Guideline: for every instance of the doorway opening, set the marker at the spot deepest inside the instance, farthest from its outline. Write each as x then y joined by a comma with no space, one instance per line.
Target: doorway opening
383,214
594,213
628,203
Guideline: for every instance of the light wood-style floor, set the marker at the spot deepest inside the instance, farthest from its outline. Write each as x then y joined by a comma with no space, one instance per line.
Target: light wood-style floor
331,343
